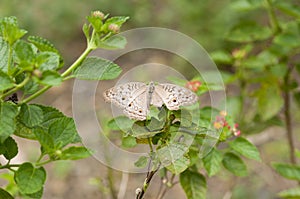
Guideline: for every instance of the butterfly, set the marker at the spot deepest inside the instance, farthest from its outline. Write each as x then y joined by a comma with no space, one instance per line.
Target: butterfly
135,98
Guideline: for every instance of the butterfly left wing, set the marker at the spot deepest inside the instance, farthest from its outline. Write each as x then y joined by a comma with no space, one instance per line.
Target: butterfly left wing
137,108
131,97
123,94
174,96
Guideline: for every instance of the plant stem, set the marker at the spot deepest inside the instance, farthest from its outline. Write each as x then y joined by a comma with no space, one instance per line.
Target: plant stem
77,62
8,166
35,95
67,72
147,181
287,116
17,87
272,16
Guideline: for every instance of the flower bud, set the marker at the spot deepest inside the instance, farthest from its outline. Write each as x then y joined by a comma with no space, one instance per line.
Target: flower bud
37,73
238,53
193,85
114,28
98,14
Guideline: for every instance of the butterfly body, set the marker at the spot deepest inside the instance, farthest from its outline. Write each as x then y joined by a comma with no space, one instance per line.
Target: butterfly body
135,98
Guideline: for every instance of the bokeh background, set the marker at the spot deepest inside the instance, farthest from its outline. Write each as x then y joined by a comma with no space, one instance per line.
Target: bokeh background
206,21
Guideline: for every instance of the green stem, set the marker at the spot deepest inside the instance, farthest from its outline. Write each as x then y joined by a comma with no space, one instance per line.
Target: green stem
150,144
33,96
8,166
17,87
38,164
272,16
66,73
77,62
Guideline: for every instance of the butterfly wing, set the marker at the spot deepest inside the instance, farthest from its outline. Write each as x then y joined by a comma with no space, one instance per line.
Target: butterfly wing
123,94
131,97
137,109
174,96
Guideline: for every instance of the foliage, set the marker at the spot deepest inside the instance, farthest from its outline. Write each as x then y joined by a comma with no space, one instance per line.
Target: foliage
176,140
263,62
28,68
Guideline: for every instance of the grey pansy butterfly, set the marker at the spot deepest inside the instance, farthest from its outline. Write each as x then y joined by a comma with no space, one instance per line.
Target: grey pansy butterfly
135,98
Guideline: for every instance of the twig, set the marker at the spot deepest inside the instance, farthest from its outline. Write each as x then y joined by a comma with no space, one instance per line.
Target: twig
140,192
287,116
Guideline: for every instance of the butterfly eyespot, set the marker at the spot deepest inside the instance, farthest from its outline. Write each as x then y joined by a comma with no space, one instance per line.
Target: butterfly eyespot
140,111
123,98
174,100
129,105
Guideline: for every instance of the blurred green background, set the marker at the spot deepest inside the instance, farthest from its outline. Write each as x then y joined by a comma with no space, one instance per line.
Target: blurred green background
61,21
206,21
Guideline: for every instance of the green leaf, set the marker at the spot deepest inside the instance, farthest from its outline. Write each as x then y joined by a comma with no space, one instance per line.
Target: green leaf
297,98
129,141
114,42
172,157
5,195
24,131
268,106
234,164
94,68
179,165
4,54
48,61
141,162
288,39
50,115
221,57
121,123
233,106
245,5
31,87
51,78
140,131
212,162
10,31
119,20
288,8
5,81
293,193
45,140
96,22
248,32
30,179
193,184
8,113
63,132
9,148
245,148
42,44
86,31
279,70
288,171
31,115
25,52
75,153
36,195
